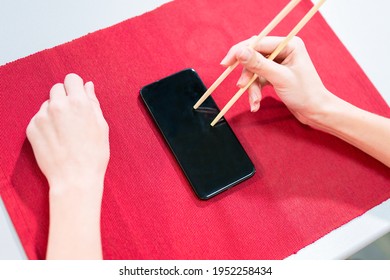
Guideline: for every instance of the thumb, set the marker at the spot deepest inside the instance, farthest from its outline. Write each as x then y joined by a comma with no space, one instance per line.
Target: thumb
275,73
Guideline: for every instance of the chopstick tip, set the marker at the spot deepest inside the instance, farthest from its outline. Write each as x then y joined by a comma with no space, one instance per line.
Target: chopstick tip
214,122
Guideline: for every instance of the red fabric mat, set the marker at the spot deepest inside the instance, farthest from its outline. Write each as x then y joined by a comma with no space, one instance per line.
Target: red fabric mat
307,182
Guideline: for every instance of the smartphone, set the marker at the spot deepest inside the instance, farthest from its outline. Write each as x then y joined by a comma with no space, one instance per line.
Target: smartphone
212,158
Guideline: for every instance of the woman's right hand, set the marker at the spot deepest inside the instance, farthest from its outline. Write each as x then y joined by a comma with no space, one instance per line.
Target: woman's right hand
298,85
292,75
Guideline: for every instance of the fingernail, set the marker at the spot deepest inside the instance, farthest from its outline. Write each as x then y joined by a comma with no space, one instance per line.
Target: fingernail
255,106
252,108
224,61
239,82
245,54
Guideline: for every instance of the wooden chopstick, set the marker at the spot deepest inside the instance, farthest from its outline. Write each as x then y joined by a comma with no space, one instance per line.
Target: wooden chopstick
275,53
282,14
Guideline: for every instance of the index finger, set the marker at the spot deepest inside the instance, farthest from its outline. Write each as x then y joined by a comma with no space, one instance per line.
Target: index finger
268,44
230,57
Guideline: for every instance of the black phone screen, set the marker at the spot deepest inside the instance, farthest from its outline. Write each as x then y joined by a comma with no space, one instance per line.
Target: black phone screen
212,158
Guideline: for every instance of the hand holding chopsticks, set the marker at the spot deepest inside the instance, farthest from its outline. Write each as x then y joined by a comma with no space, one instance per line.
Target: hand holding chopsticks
262,34
274,54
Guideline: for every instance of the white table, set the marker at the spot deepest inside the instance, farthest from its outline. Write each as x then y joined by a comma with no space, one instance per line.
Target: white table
30,26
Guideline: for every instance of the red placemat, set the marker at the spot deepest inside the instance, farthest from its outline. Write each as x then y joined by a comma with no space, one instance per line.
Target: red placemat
307,182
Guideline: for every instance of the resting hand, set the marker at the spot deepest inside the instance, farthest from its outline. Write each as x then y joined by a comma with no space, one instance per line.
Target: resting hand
69,134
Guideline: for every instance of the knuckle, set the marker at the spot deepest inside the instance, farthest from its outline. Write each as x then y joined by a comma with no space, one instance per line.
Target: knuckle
55,108
77,101
233,50
256,62
297,42
39,120
44,105
30,129
252,39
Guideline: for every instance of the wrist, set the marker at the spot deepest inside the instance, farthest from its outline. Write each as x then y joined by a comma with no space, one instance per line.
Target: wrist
337,117
85,193
75,209
321,115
